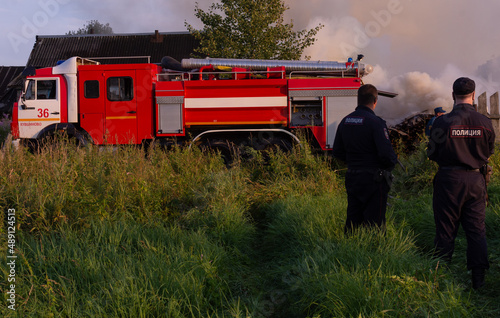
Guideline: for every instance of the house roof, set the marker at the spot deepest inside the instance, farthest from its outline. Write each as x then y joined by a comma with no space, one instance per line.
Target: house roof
48,50
7,74
8,94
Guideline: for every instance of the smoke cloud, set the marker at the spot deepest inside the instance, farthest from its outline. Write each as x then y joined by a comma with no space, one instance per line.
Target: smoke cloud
418,48
418,92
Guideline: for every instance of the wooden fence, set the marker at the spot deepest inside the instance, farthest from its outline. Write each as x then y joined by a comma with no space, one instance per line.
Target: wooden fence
493,114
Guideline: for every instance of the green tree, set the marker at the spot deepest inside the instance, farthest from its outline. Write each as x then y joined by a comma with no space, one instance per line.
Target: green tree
250,29
93,27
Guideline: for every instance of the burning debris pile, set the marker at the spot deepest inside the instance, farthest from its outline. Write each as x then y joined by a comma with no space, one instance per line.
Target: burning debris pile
406,135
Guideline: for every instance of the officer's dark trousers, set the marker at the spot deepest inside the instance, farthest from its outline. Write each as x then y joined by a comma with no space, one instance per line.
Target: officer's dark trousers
366,199
460,198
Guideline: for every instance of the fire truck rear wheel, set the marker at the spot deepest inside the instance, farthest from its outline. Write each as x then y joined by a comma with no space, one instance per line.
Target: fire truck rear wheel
276,144
227,149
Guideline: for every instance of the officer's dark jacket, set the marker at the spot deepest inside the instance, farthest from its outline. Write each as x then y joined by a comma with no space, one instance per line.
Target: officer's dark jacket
462,138
363,142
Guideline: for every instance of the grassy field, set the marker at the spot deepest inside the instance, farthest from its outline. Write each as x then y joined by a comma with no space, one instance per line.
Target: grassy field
117,232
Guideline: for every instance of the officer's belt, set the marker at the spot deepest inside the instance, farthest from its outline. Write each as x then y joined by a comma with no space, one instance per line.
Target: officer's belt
458,168
363,170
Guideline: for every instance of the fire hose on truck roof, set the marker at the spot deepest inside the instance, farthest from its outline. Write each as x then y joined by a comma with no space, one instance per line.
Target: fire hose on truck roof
328,68
346,68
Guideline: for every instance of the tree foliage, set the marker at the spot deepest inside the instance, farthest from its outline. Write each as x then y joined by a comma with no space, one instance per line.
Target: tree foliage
93,27
250,29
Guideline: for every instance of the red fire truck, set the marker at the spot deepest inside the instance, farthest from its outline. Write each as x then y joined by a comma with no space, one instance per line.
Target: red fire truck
220,103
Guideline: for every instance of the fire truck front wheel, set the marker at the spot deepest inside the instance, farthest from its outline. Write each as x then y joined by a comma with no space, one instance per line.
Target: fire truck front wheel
62,133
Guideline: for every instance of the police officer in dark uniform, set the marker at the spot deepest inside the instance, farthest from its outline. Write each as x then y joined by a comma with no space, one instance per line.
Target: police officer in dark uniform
461,143
362,141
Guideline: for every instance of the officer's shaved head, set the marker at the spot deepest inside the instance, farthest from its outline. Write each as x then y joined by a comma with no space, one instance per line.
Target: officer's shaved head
464,90
464,86
367,95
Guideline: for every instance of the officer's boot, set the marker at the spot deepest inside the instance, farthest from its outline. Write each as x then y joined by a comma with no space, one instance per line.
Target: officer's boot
478,278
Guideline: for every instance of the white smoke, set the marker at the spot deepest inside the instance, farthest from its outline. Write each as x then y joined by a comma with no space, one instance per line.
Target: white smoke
418,53
488,76
336,30
417,92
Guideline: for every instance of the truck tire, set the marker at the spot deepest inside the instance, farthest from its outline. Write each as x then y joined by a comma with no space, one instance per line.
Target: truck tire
51,137
275,142
227,150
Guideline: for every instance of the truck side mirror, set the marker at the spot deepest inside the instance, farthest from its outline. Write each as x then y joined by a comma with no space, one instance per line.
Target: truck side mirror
23,101
23,104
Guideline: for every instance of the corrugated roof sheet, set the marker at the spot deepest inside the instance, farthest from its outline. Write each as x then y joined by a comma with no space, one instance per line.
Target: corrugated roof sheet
50,49
7,74
8,94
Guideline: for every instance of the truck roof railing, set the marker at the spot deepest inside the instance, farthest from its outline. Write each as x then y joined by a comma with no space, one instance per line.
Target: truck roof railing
172,75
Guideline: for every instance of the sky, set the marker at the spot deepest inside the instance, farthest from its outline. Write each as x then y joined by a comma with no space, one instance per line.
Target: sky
417,48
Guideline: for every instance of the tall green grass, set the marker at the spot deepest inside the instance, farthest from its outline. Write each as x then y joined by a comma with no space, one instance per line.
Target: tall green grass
4,128
121,232
124,269
368,274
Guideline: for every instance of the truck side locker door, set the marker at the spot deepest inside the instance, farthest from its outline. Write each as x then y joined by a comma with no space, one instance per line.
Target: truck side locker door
92,95
337,107
121,107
